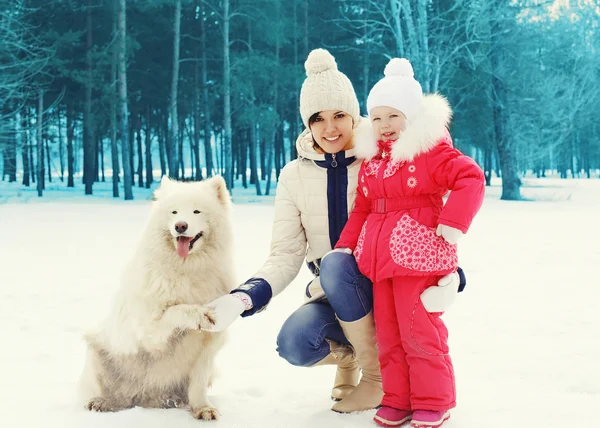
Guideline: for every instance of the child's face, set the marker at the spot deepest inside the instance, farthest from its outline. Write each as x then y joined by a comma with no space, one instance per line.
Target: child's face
332,130
388,123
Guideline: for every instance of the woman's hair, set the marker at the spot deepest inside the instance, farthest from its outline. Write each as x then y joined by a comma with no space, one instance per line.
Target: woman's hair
312,120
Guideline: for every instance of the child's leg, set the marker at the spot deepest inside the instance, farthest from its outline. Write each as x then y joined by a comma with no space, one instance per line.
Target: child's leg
424,338
392,358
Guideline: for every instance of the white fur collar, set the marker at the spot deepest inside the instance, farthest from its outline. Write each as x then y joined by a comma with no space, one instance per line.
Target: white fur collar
421,135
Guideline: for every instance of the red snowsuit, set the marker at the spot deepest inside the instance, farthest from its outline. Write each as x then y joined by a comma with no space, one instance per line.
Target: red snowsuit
392,233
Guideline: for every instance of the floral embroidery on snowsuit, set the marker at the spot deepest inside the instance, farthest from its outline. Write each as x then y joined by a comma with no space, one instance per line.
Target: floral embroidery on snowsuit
416,246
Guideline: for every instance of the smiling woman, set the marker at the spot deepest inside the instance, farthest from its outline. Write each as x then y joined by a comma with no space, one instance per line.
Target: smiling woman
331,131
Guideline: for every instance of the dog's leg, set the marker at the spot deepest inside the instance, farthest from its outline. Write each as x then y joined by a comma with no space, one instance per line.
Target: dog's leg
89,385
188,317
108,404
180,317
201,407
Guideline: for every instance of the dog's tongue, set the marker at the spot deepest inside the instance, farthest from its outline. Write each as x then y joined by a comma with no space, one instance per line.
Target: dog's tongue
183,246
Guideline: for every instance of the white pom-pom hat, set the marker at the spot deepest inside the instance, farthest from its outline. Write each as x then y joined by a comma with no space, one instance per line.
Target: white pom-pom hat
326,88
398,89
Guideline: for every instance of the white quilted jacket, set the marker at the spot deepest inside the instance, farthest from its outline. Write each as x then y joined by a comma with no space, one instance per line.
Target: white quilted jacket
301,227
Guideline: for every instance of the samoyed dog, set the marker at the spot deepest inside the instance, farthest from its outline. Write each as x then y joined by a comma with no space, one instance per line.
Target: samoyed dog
151,350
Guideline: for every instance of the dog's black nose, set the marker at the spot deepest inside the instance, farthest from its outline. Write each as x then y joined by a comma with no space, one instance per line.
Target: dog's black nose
181,226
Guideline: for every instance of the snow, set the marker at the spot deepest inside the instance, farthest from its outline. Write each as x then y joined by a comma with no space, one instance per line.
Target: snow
523,336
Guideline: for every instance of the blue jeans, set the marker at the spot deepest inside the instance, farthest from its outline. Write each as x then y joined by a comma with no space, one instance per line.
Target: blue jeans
301,340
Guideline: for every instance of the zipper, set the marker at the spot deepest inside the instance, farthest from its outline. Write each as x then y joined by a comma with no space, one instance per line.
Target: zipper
334,163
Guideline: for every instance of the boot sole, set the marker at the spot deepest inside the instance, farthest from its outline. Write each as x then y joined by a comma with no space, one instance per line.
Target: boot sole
385,423
436,424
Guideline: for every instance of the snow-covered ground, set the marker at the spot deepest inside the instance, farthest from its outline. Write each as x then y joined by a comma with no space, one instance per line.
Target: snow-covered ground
524,335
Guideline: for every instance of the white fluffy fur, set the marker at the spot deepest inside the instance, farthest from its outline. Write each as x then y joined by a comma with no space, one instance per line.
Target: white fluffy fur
150,351
421,135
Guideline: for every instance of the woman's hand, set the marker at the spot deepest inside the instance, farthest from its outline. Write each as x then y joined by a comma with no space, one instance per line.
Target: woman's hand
227,308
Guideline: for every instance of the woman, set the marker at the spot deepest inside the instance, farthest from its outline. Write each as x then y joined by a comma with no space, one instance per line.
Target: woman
314,195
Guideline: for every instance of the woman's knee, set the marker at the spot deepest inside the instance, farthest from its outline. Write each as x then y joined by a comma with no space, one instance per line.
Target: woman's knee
296,345
338,271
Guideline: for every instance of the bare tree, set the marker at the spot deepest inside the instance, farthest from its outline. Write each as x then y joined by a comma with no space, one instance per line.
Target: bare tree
122,70
227,152
173,119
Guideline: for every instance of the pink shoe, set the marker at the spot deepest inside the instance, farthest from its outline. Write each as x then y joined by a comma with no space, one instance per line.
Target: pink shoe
429,418
390,417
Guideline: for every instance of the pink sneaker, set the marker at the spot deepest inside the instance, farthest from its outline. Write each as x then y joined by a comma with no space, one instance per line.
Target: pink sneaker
429,418
390,417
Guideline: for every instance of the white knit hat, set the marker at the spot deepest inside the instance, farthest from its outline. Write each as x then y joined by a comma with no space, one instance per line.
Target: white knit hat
398,89
326,88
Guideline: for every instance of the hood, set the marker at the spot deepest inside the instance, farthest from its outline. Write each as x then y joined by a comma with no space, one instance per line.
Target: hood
420,136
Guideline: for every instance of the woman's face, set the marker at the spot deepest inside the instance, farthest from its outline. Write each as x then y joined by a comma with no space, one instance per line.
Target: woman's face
332,130
388,123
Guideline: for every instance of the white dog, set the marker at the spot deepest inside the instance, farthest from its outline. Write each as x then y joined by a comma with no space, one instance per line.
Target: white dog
151,350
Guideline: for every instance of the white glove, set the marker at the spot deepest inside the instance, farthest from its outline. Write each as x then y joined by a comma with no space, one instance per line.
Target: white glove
338,250
438,298
449,233
227,308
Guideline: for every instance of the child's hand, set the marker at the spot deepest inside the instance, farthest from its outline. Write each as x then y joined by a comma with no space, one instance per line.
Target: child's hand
450,234
438,298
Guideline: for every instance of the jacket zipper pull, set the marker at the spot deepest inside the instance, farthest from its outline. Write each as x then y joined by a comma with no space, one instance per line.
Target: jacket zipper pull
333,161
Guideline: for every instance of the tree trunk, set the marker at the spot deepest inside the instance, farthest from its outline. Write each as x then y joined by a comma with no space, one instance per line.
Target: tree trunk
506,144
127,176
263,155
114,149
197,118
10,150
48,163
61,151
365,60
162,145
305,28
26,147
180,166
174,121
140,157
40,145
253,163
70,154
278,130
269,167
487,165
149,178
88,140
295,127
227,152
205,99
100,144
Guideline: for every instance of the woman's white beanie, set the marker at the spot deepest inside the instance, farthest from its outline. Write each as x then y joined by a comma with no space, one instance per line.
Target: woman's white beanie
326,88
398,89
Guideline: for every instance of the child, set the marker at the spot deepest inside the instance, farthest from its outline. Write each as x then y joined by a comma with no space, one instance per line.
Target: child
404,239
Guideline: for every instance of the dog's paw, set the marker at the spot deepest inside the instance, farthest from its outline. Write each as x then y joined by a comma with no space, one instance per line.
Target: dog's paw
206,413
103,404
206,318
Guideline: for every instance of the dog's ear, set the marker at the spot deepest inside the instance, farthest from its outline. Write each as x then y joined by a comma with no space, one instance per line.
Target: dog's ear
218,183
164,183
165,180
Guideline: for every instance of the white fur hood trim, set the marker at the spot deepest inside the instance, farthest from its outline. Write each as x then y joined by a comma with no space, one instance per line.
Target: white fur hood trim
421,135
